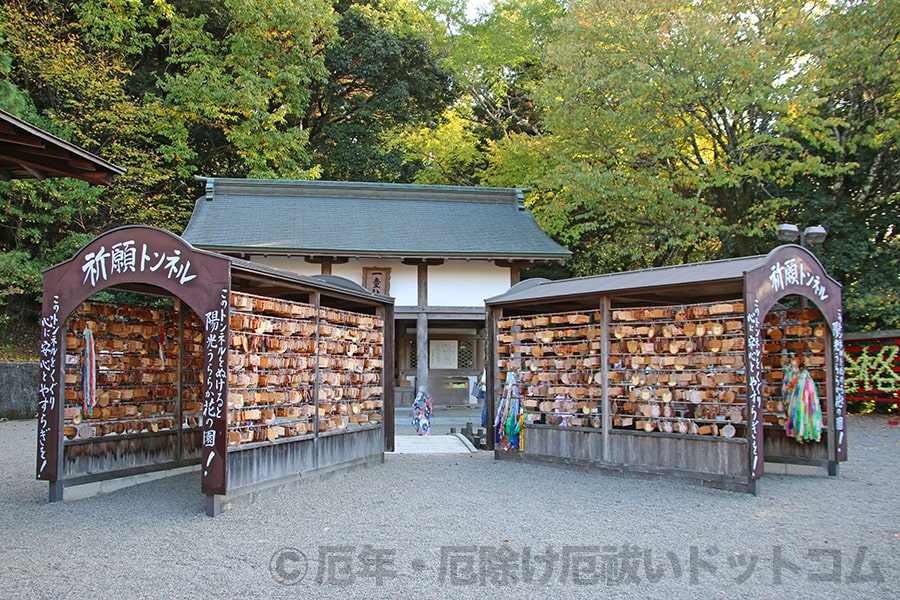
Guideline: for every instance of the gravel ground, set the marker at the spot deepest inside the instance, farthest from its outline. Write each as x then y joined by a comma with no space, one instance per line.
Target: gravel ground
462,526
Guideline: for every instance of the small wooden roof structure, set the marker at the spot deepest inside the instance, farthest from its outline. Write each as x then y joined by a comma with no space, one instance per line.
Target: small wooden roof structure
27,152
760,280
701,282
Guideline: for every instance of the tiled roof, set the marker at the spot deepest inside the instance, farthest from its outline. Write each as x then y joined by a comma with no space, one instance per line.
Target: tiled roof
367,219
695,275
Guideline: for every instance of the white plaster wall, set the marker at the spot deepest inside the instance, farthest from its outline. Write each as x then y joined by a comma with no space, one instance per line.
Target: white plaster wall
462,283
294,264
403,277
455,283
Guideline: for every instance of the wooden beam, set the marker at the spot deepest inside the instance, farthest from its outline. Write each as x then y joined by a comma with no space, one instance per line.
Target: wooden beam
80,163
515,275
422,328
331,260
431,262
51,167
24,145
36,173
39,149
22,140
518,263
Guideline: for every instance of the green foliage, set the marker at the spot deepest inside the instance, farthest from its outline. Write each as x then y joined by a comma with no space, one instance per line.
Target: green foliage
446,154
12,99
37,217
118,27
382,76
855,73
496,62
20,282
652,132
686,101
674,131
242,81
865,407
170,89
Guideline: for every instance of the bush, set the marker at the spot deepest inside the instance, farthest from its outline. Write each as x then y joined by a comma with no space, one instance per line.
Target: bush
20,283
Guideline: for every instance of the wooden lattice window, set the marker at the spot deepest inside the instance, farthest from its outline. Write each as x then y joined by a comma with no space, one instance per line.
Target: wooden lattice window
466,350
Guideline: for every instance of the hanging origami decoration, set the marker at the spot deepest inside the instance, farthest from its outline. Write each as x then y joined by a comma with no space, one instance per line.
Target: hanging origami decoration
89,374
508,424
162,343
804,412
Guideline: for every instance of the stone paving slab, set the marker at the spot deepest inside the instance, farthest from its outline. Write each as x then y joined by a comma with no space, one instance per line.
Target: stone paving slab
432,444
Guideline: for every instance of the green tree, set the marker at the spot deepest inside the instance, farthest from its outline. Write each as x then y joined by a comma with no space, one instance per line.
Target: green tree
58,78
674,114
75,84
856,132
448,153
170,89
676,130
240,72
496,62
382,74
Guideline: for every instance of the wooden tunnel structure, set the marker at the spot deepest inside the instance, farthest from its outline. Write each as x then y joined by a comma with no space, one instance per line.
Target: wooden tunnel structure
675,371
257,375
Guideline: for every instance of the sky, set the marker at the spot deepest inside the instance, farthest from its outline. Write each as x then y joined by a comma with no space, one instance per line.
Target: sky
474,6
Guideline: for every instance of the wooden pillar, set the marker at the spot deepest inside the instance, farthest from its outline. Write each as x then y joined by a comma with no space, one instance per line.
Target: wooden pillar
327,262
316,300
57,485
606,405
834,377
515,274
490,380
179,404
387,376
422,328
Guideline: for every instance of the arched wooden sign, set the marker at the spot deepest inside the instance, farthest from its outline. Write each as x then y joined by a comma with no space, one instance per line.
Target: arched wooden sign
143,256
793,270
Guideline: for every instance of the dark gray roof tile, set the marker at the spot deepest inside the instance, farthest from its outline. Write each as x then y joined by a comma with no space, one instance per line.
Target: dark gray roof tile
694,274
315,217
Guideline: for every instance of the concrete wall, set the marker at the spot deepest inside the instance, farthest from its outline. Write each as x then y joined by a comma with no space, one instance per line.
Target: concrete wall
19,390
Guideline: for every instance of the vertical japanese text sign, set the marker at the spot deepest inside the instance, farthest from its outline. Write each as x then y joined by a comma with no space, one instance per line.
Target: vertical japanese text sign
149,257
790,270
